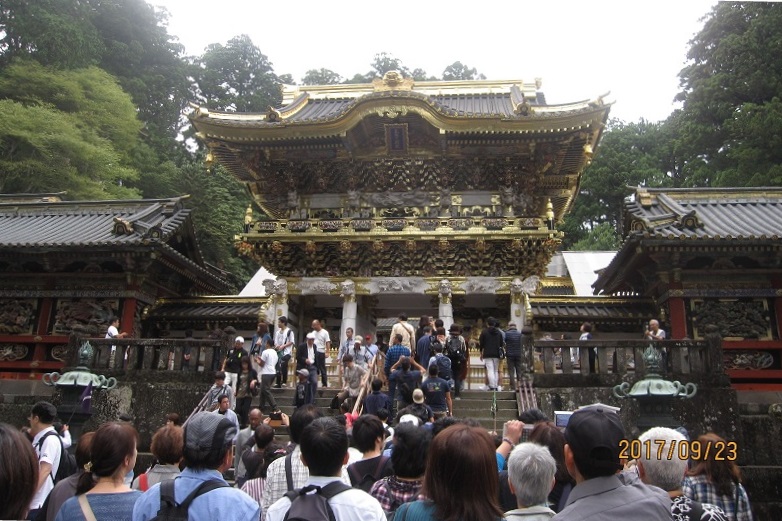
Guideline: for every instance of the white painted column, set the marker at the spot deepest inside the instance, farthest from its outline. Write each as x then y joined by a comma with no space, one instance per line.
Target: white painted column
280,300
349,311
445,310
517,309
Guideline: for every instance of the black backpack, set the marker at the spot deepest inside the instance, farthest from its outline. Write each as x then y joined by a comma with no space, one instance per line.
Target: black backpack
313,507
170,510
444,367
454,349
366,481
67,466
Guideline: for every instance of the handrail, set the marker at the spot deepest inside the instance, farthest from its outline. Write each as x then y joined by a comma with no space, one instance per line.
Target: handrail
366,385
203,405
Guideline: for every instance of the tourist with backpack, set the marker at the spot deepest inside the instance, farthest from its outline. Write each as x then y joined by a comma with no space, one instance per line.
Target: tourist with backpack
456,351
324,450
200,493
101,493
48,448
406,375
289,473
368,437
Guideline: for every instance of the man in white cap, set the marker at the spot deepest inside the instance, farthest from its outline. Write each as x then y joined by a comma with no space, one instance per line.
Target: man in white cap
207,454
233,362
304,393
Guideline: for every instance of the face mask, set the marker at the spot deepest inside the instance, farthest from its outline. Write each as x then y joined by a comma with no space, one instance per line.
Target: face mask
129,478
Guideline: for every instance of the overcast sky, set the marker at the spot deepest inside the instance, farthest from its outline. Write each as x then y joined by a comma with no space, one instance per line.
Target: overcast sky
579,49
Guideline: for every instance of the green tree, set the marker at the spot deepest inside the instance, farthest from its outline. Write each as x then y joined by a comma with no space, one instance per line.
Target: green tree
602,237
729,128
384,62
630,154
55,32
321,77
66,130
235,77
149,64
458,71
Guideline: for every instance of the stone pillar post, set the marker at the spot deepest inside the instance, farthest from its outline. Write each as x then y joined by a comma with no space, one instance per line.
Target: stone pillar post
445,310
280,300
517,311
349,311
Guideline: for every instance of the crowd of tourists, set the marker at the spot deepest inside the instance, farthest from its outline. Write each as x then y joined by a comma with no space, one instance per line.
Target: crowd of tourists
405,457
414,469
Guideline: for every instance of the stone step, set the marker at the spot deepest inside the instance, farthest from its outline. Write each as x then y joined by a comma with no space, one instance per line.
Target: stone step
481,405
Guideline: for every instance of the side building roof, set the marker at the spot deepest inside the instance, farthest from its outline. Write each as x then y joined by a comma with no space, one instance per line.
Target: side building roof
48,224
719,216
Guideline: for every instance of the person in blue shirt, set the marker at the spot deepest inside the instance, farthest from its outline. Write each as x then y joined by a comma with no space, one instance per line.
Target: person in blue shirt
207,454
396,351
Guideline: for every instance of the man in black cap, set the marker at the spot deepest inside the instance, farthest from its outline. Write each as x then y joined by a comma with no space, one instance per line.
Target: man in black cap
207,454
593,435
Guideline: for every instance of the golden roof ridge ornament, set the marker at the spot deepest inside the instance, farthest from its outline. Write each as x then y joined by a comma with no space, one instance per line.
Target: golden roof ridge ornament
392,80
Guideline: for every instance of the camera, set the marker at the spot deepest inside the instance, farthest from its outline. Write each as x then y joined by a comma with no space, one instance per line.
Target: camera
275,419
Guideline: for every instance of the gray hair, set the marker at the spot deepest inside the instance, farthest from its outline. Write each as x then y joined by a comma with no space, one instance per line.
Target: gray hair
663,471
531,469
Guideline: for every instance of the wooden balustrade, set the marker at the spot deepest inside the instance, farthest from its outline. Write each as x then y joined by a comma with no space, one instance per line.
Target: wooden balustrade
133,354
623,356
544,357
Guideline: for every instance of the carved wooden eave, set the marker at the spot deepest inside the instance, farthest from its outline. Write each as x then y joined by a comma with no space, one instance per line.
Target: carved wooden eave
331,139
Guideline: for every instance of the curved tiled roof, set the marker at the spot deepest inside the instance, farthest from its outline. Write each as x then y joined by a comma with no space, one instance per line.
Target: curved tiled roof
722,215
707,213
306,109
89,223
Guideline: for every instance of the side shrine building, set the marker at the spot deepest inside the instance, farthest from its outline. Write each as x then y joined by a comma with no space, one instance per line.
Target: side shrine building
406,196
70,266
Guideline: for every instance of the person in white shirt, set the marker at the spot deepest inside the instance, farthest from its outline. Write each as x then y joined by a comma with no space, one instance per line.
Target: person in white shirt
324,451
322,346
653,332
268,363
283,344
48,448
113,332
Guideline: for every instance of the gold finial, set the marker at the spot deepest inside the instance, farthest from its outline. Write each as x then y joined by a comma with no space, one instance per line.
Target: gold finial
549,214
549,210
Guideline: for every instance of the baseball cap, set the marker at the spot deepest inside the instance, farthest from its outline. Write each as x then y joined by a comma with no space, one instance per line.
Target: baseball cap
418,396
594,434
303,372
409,418
207,433
239,339
311,335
